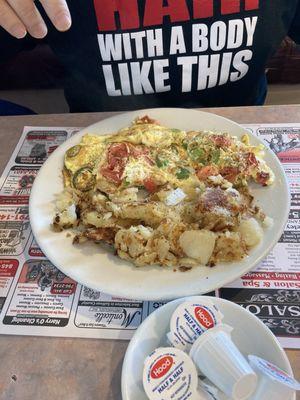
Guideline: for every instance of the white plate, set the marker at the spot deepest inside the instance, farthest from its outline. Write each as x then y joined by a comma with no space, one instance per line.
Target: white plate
249,334
93,266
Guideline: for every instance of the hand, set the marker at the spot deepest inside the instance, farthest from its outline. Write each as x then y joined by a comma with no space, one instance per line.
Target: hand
18,17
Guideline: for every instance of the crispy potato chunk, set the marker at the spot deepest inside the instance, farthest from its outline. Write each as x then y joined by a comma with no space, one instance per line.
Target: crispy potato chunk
229,247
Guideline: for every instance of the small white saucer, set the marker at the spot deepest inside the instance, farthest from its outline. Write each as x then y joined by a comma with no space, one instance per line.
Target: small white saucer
249,334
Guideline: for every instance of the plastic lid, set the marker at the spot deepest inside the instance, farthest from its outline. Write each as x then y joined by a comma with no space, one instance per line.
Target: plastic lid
271,371
190,320
169,373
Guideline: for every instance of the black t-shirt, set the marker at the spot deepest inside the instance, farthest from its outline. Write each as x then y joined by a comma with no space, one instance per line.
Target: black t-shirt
130,54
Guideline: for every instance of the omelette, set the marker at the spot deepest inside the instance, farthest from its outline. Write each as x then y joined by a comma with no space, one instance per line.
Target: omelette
165,196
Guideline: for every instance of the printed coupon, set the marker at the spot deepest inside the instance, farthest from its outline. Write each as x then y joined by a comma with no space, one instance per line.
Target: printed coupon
19,181
38,145
8,270
43,296
284,141
14,229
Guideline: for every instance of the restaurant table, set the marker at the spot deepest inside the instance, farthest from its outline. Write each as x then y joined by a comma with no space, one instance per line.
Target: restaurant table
47,368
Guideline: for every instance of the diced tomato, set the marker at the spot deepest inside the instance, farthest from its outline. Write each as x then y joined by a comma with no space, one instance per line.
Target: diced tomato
262,178
204,172
150,185
229,173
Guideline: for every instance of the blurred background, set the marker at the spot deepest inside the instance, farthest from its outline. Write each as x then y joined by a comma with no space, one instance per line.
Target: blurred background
34,79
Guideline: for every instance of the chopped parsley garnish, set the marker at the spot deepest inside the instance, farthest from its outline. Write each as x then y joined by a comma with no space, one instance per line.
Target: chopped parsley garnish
215,156
197,154
182,173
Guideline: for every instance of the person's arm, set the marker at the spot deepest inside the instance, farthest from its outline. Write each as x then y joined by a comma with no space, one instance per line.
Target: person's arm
294,32
18,17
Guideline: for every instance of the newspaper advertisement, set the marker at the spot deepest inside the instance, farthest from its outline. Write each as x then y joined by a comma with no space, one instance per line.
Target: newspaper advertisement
36,298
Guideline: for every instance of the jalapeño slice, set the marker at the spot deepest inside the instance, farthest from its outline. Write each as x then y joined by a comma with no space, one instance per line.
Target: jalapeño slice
73,151
84,179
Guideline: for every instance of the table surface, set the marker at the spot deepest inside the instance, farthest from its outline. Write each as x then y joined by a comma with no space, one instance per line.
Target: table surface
34,368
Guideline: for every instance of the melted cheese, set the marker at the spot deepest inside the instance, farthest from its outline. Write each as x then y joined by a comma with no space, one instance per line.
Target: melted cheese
136,171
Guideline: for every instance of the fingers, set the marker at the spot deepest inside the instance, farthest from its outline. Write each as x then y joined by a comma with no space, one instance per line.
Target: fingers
10,21
30,16
19,16
58,12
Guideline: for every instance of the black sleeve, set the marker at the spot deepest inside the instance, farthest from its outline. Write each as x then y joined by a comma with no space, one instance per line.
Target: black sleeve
294,32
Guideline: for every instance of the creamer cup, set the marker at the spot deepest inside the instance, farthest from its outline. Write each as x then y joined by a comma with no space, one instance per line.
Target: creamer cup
189,320
218,358
273,383
170,374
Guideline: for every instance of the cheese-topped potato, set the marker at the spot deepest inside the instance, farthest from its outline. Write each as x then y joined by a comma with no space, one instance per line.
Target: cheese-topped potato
166,196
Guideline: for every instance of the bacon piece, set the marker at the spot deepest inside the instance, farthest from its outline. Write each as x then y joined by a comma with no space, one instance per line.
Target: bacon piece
112,175
146,120
262,178
221,141
204,172
141,151
229,173
117,157
250,159
117,152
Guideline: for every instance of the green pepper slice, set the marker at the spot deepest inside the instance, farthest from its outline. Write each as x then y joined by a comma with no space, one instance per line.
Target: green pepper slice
215,156
198,155
175,130
84,179
182,173
161,163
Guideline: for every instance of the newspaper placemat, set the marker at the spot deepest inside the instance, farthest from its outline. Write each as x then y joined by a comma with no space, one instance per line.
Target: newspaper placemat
37,299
